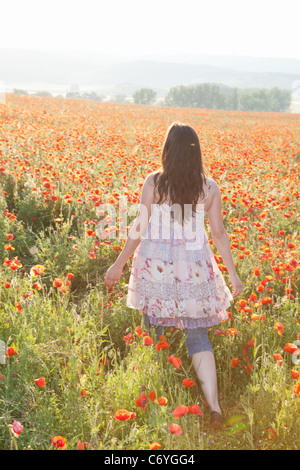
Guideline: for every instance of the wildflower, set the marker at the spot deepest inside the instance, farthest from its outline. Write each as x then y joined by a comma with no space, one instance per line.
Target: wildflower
152,395
296,389
70,276
15,264
175,429
255,317
279,327
180,411
252,297
250,343
255,271
232,331
41,382
37,270
90,233
148,341
142,401
235,362
59,442
57,282
10,352
175,361
249,368
36,286
260,288
17,428
9,247
128,338
272,433
295,374
290,348
138,331
162,401
195,410
278,358
220,332
82,445
266,300
242,303
188,382
155,445
124,415
162,345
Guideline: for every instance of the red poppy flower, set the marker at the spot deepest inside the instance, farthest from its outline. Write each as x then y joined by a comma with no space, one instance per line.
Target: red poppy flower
290,348
188,382
296,389
235,362
148,341
162,345
249,368
155,445
57,282
195,410
180,411
295,374
59,442
10,352
17,428
41,382
175,361
278,358
124,415
175,429
142,401
162,401
84,445
279,327
15,264
138,331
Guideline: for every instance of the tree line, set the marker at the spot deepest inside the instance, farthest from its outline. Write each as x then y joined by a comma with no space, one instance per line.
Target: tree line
204,95
212,96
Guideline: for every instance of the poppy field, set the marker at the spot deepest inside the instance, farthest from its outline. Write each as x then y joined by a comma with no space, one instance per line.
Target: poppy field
78,369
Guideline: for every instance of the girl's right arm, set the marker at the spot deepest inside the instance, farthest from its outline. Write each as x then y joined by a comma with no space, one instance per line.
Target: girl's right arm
220,237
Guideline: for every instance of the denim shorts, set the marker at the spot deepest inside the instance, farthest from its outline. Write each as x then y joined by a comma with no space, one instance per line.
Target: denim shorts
196,339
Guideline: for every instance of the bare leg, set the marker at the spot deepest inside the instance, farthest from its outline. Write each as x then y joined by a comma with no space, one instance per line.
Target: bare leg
205,367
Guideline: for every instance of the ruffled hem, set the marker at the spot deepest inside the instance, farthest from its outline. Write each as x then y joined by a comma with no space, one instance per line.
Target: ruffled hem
178,287
181,314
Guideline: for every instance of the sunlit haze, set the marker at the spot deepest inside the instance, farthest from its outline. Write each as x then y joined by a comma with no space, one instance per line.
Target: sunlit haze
261,28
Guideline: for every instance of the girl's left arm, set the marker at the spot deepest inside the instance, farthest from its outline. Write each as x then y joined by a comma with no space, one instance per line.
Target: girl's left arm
136,232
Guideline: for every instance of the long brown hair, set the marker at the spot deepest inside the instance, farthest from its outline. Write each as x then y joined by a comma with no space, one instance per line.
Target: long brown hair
182,172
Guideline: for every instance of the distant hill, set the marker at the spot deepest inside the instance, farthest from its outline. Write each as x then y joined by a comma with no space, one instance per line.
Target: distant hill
58,70
244,63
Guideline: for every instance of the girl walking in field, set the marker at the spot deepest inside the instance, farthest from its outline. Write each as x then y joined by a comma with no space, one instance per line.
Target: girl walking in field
175,280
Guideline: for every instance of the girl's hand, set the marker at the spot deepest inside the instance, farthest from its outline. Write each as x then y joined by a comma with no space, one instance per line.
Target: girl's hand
236,284
112,276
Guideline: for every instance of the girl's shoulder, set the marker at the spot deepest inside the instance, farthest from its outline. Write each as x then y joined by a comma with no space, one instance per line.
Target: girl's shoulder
212,184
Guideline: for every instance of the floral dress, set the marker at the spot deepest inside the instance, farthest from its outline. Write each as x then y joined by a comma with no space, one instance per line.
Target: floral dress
175,278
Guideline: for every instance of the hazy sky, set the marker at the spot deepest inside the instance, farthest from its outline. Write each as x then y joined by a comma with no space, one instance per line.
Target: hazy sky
262,28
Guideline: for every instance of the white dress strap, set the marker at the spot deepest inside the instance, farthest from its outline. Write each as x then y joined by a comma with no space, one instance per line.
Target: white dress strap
209,185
